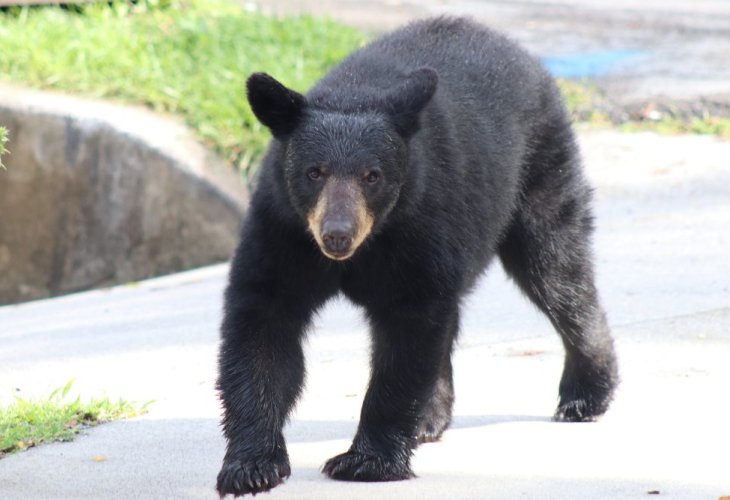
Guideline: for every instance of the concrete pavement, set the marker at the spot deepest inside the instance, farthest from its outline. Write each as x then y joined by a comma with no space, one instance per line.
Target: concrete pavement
663,213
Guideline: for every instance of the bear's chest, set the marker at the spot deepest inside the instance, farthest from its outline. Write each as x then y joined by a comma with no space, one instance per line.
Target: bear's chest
392,272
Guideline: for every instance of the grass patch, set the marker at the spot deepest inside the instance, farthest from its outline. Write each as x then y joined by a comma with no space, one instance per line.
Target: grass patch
28,423
3,140
706,125
588,106
189,58
584,102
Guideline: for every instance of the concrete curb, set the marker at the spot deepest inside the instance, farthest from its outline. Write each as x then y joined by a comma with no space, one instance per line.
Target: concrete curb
97,194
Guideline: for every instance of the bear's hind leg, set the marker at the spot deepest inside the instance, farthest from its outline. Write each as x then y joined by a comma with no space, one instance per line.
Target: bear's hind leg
546,250
436,414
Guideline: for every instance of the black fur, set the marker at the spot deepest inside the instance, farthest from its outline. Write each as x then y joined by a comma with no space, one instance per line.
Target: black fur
476,158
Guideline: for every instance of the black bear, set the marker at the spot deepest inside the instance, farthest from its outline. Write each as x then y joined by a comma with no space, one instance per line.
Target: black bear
395,181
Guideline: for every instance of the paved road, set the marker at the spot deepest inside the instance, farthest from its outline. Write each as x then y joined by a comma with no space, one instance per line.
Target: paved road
673,53
663,207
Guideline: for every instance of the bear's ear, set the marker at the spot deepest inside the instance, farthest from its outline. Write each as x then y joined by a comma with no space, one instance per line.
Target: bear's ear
406,101
275,106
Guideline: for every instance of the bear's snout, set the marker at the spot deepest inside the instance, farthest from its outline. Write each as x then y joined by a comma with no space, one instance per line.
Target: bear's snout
337,236
340,220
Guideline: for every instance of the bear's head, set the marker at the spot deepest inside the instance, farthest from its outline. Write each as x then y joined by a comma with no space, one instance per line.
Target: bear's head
343,165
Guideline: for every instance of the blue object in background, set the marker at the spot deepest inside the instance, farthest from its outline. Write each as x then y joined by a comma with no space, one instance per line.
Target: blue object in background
589,63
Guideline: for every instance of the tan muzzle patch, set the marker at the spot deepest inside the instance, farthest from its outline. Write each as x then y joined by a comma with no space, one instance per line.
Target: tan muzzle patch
340,220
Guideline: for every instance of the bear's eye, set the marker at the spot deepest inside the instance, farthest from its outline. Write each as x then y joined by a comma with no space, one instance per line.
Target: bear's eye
372,177
314,173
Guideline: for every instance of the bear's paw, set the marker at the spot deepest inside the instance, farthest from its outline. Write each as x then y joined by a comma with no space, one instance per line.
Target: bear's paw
239,478
356,466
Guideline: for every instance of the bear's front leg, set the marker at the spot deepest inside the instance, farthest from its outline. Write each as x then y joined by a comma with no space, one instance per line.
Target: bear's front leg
409,344
275,286
261,374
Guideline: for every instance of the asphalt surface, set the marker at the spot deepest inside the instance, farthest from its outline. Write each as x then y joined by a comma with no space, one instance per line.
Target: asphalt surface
671,56
663,213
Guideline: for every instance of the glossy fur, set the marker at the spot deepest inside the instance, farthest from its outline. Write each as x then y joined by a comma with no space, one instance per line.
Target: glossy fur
474,158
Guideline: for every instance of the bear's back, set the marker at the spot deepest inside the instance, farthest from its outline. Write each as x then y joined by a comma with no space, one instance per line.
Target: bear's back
479,69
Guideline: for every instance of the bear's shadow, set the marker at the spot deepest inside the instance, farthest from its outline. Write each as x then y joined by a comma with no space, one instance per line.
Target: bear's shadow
309,431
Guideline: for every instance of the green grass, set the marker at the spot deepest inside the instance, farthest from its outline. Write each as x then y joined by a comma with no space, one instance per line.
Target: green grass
27,423
3,140
189,58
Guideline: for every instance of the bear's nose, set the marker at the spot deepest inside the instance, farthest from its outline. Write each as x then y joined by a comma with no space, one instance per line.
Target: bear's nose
337,237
